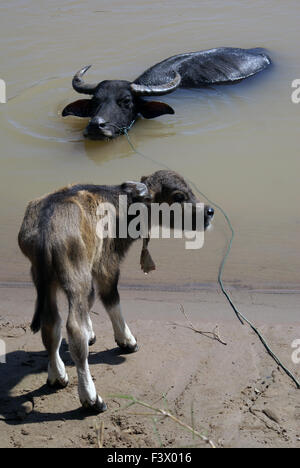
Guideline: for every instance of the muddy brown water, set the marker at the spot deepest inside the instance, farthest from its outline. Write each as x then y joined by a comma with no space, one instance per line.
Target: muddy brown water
239,144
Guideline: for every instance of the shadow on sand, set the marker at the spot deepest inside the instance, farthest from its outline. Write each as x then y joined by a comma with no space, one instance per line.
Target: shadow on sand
20,364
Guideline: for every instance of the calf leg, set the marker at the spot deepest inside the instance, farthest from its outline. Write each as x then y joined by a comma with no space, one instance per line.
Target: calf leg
108,289
51,336
78,328
91,301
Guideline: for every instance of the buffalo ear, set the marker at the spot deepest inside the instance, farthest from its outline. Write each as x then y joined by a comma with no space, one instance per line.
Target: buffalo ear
80,108
152,109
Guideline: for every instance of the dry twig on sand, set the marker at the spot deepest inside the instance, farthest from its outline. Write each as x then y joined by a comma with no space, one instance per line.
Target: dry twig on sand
164,413
100,434
214,335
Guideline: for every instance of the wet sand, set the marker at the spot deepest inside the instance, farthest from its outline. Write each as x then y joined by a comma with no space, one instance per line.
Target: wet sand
237,395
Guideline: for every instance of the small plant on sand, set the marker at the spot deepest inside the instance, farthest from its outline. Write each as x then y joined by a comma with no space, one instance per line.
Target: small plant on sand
156,412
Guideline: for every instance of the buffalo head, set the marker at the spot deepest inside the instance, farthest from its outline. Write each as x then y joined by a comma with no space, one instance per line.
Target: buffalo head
115,104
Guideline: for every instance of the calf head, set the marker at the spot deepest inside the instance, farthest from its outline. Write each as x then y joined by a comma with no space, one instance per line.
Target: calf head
115,104
169,187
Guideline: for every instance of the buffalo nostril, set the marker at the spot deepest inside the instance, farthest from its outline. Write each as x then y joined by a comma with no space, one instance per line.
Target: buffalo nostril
210,212
98,122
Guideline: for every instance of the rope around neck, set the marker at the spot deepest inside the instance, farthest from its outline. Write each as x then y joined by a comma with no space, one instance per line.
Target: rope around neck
239,315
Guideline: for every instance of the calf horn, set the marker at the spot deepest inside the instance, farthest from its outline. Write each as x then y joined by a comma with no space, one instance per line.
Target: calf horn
143,90
79,85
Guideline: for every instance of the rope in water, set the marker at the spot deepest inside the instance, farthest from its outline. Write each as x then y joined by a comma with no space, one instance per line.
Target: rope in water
239,315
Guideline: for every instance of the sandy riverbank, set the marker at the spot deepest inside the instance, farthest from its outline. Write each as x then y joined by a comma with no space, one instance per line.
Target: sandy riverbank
235,392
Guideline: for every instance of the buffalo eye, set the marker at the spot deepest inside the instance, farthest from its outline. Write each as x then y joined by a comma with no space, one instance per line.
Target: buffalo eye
125,102
178,197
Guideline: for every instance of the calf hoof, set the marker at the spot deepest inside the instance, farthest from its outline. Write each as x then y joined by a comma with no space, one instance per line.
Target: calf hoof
128,349
97,408
92,341
58,384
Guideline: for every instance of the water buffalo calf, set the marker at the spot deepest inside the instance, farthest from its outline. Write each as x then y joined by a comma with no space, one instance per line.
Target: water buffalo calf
59,236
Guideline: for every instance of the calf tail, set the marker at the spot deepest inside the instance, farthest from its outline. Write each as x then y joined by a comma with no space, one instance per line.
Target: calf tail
36,321
42,280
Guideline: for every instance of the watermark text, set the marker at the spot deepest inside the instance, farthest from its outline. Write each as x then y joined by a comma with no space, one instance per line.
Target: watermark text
160,221
2,92
296,94
296,353
2,352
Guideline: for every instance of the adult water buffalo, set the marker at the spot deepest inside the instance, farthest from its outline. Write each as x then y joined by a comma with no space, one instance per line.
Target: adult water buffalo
115,104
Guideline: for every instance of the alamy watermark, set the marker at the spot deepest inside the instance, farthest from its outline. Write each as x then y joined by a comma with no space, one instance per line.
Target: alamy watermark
159,220
2,352
296,94
296,353
2,92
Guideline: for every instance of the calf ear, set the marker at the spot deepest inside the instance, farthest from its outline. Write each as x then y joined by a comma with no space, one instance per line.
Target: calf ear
136,189
152,109
80,108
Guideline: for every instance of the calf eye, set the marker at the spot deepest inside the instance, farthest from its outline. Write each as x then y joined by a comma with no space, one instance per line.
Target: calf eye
178,197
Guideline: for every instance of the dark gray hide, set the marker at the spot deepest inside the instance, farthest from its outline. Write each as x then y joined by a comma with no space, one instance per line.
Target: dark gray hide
214,66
